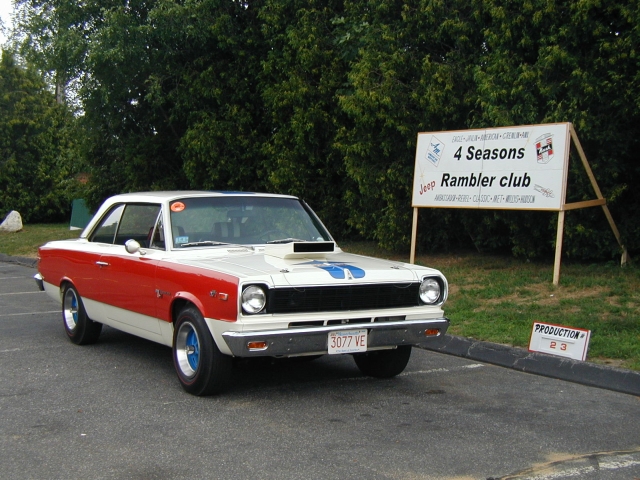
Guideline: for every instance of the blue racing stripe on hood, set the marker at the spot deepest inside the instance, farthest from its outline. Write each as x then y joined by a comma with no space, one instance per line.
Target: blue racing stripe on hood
337,269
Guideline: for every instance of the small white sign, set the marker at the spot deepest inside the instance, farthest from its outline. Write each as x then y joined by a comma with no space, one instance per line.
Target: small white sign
558,340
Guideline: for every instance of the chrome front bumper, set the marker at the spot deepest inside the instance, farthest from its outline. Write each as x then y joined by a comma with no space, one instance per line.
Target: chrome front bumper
39,281
313,340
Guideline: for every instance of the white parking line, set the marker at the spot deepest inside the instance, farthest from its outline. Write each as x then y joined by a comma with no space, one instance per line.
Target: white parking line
580,472
440,370
20,293
28,313
578,467
424,372
10,278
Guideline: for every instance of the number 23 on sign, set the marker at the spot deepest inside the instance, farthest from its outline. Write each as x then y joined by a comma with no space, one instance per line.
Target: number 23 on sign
554,345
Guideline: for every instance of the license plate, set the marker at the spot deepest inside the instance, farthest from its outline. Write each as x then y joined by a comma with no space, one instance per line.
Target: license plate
347,341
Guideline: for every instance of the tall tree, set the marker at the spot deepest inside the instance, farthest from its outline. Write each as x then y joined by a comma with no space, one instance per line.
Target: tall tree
130,132
36,173
410,71
216,48
545,61
55,38
301,74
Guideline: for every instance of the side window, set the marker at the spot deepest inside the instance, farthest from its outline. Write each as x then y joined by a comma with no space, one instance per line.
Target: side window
137,223
106,231
157,236
125,222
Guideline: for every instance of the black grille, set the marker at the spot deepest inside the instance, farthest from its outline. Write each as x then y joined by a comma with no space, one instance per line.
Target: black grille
342,298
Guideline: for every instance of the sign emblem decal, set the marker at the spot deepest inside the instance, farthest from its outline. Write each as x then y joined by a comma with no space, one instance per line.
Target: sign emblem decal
434,152
544,148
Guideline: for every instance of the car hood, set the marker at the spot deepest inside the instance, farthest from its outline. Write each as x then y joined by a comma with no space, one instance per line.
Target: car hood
308,269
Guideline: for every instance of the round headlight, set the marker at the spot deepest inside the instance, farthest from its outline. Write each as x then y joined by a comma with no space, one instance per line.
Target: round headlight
429,291
253,299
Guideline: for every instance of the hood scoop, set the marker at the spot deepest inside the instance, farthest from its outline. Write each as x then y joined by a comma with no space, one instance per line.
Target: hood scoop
300,249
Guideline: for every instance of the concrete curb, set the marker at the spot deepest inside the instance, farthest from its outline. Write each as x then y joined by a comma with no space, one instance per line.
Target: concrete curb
585,373
24,261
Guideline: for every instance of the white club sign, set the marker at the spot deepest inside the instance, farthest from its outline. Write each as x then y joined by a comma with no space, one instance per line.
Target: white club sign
521,168
512,168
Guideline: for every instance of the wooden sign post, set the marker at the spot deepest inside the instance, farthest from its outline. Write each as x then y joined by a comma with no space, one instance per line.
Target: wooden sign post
508,168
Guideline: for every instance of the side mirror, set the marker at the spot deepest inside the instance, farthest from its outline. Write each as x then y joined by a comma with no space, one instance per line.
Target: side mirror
131,246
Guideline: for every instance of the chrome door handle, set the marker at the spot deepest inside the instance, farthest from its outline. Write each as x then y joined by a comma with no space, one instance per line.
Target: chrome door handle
102,264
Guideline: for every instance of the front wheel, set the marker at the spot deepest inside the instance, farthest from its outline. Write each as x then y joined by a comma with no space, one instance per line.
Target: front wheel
383,363
80,329
202,369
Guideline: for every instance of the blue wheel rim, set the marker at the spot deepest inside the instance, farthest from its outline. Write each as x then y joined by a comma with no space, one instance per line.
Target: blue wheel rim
193,349
74,309
187,350
70,307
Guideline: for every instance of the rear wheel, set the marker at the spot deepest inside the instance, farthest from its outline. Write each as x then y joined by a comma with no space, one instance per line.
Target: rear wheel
80,329
202,369
383,363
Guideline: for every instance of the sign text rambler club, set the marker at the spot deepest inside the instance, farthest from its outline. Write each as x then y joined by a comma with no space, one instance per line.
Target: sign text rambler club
516,167
472,180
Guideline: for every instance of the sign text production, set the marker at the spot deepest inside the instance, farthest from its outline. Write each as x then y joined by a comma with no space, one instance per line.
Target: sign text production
522,167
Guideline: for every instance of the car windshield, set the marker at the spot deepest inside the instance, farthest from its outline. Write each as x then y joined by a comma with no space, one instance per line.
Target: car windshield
242,220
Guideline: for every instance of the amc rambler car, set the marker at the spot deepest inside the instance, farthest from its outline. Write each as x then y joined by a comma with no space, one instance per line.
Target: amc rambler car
224,275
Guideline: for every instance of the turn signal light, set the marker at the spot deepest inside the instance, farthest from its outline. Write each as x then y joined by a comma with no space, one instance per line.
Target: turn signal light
432,332
260,345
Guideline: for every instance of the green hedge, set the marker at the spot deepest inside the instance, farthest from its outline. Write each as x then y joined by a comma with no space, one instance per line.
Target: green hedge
324,99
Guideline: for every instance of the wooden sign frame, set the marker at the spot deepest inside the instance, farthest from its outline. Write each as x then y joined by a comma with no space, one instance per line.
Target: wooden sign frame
564,207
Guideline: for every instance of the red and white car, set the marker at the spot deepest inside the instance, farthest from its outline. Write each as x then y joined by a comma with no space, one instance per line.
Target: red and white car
218,275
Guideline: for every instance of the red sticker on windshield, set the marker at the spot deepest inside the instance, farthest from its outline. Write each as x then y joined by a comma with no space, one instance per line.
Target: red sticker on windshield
177,207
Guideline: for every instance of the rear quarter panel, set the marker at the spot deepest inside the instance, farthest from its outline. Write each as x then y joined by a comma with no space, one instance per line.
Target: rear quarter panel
60,261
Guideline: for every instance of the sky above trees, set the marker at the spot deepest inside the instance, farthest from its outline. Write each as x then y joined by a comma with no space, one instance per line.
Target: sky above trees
6,7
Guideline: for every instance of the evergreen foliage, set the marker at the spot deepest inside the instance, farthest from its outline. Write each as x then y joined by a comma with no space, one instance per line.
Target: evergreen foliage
36,173
324,99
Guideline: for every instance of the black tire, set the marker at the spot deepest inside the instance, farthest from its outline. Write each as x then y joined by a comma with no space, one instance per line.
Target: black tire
383,363
202,369
80,329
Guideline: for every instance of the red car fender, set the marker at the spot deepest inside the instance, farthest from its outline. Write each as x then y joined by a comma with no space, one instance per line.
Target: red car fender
215,296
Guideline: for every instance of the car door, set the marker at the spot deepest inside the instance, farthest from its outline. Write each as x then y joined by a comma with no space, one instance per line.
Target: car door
125,282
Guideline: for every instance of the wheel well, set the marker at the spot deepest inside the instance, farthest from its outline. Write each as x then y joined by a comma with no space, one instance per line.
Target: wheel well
177,307
63,285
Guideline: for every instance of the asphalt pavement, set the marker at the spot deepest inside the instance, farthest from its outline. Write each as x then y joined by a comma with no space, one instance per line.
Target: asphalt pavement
115,410
584,373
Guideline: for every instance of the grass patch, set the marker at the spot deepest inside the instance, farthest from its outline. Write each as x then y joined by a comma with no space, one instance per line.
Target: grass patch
25,243
493,298
497,299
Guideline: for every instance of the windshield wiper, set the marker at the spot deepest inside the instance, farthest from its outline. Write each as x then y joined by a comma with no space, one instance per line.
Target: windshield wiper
286,240
203,243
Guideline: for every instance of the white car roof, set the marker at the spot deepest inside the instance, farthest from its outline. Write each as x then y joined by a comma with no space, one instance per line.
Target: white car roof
172,194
